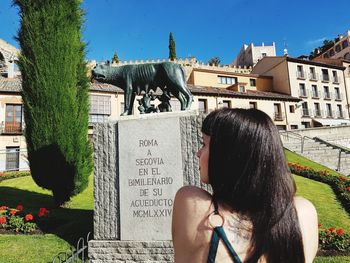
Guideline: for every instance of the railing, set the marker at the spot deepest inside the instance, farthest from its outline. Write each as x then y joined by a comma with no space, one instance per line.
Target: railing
340,114
301,74
278,116
316,94
287,135
327,95
13,159
75,254
313,76
334,146
338,96
306,112
336,79
11,128
318,113
325,78
303,93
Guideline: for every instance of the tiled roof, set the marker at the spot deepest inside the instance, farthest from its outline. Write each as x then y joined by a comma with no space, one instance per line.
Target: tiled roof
104,87
253,94
10,85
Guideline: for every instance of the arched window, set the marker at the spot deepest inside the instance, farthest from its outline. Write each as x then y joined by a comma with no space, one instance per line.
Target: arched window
347,56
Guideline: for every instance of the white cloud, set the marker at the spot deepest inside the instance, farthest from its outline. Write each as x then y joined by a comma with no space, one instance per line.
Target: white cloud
314,42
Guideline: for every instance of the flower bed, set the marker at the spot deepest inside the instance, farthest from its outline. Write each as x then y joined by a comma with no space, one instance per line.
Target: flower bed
334,239
18,221
340,184
14,174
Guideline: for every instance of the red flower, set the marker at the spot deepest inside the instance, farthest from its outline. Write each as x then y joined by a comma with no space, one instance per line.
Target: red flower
331,229
29,217
4,207
348,189
327,231
43,212
340,232
319,225
19,207
2,220
13,211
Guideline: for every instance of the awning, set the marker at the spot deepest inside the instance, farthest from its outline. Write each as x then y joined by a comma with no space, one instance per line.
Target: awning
332,122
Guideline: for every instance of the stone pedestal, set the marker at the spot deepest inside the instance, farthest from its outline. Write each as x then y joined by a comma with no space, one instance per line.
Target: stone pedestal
140,163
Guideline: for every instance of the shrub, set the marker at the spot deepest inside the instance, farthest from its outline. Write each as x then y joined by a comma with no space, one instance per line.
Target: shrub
334,239
20,221
13,174
340,184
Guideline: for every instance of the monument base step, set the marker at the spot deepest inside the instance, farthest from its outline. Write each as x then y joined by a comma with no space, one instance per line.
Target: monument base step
106,251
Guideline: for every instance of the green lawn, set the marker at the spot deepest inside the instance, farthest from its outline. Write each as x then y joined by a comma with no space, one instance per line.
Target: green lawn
76,220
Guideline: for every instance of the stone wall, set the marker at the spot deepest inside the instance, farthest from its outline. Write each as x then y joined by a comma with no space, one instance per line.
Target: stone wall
107,245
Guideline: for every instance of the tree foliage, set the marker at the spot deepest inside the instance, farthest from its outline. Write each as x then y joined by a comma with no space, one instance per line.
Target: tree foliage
55,95
172,48
115,58
327,44
214,61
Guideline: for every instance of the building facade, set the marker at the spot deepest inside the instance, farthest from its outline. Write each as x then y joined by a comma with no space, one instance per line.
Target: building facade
320,86
250,54
340,49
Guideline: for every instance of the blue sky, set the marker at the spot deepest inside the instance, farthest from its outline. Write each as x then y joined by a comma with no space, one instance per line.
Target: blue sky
139,29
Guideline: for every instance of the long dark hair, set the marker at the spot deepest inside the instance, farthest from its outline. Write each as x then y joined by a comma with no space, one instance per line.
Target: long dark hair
248,171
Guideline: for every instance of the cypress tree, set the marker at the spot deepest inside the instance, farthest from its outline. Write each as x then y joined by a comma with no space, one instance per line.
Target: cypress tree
172,49
115,58
55,95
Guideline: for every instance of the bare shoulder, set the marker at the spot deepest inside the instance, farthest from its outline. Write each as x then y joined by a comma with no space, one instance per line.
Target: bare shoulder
304,206
308,223
192,192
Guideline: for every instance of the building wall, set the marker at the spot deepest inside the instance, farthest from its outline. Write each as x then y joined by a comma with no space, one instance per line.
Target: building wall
250,54
341,49
306,80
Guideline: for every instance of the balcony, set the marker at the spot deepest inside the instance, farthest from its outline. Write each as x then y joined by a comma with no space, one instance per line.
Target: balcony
340,114
278,116
316,94
335,79
303,93
313,76
329,114
327,95
301,74
318,113
338,96
305,112
325,78
11,128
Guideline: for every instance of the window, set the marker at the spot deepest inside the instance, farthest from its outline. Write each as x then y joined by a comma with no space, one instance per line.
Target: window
300,72
335,76
305,109
278,113
325,76
313,74
252,82
13,120
344,44
122,104
337,94
327,94
331,53
329,110
263,54
306,124
293,127
12,158
314,91
202,105
100,108
291,108
302,90
337,48
241,88
317,109
227,80
226,104
252,105
340,111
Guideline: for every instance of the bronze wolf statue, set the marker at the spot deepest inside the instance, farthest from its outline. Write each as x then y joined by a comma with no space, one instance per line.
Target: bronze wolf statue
133,79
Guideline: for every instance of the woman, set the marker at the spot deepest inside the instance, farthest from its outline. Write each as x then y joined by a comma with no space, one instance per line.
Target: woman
242,159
